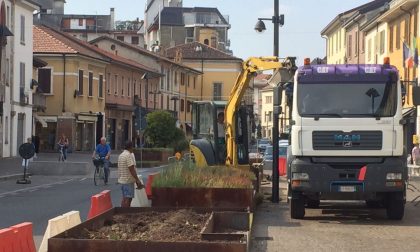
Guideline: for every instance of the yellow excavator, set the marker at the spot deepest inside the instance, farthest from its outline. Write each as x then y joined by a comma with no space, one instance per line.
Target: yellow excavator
211,147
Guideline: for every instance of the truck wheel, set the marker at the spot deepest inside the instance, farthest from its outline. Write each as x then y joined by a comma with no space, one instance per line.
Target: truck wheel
297,207
395,206
312,203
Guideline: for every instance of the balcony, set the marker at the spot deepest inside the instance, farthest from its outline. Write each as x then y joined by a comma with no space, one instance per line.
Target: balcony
39,101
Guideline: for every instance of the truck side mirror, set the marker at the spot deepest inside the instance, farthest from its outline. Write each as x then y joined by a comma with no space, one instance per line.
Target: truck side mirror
416,96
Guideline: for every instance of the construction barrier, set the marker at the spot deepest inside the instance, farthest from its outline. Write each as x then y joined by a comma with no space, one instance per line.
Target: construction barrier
282,166
100,203
140,197
149,185
18,238
58,225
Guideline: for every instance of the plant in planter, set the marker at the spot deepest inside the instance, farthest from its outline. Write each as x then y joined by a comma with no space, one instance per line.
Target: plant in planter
185,185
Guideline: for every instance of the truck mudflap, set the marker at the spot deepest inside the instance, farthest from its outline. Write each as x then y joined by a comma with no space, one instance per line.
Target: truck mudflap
357,176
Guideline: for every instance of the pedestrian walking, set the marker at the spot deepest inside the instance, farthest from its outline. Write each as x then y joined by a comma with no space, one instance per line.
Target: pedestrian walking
127,175
25,162
103,150
415,154
64,144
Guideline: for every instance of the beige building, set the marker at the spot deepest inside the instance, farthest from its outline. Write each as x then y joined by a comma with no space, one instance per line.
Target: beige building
167,91
267,112
220,72
73,82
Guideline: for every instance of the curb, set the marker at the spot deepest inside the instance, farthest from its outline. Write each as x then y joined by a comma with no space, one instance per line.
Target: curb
12,176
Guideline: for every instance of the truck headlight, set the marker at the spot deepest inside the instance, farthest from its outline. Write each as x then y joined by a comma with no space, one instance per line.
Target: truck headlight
300,176
394,176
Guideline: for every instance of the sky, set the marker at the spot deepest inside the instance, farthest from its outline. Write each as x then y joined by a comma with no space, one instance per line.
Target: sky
299,37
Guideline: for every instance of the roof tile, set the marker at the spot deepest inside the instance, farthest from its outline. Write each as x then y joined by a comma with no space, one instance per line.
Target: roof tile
189,52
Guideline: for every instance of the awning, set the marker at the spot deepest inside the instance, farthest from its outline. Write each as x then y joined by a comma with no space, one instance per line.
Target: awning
41,120
87,118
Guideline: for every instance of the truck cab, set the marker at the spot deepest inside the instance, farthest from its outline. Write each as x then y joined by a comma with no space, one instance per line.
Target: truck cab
347,138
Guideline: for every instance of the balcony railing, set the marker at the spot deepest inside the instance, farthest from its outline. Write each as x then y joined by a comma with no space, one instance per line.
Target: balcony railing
39,101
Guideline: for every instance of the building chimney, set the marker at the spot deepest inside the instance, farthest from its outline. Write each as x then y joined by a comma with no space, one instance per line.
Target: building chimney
112,24
58,7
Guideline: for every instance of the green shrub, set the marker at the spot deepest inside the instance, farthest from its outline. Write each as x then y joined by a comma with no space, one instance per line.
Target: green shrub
185,174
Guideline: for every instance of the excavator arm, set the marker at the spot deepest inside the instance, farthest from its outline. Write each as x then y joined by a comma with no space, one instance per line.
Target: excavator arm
249,68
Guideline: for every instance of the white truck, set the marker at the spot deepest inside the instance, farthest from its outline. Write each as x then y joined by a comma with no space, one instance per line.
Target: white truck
347,138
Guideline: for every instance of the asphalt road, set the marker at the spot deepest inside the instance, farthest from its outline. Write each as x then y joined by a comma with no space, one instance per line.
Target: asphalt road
47,197
336,227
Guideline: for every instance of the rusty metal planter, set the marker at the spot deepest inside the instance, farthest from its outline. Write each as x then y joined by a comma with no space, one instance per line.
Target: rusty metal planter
203,197
61,242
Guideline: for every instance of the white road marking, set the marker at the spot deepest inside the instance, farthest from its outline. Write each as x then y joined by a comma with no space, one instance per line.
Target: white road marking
83,179
34,187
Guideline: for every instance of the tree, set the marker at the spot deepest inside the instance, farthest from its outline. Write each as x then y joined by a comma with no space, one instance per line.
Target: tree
161,129
179,143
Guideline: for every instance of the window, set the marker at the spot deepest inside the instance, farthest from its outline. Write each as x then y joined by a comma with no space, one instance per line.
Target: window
369,49
121,38
336,42
339,40
135,40
22,80
128,87
101,86
116,84
7,72
182,79
188,81
189,106
349,45
162,79
90,84
382,42
22,29
161,102
415,24
8,16
122,86
270,114
203,18
176,78
363,41
167,102
206,42
80,89
406,36
44,80
108,83
398,38
182,105
6,131
356,44
189,32
217,91
269,99
391,38
195,79
80,22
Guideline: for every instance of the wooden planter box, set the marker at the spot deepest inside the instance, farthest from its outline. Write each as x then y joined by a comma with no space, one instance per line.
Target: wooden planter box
61,242
203,197
153,155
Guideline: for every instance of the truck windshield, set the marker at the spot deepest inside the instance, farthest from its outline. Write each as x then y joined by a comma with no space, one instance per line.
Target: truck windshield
347,100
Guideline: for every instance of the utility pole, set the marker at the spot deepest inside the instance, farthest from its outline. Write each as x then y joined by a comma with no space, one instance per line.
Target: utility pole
277,94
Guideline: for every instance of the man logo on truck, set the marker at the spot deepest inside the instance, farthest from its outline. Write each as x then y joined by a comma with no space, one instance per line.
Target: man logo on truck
346,140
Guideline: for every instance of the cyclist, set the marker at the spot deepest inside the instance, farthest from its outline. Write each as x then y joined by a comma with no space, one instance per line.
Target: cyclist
103,150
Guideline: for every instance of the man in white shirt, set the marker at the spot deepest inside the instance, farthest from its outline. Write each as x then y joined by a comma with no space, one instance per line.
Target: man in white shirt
127,175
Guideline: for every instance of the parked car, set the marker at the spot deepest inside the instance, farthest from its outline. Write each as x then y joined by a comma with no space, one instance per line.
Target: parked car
268,159
262,144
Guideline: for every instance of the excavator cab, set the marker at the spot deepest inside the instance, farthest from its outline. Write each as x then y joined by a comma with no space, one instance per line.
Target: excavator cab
209,133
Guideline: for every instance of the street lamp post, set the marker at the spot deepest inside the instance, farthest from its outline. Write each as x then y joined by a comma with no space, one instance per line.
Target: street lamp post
278,20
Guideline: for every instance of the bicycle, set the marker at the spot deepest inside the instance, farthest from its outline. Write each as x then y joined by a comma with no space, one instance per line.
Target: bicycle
99,173
61,152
